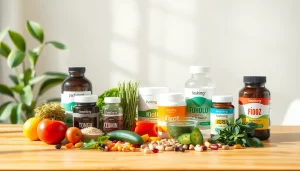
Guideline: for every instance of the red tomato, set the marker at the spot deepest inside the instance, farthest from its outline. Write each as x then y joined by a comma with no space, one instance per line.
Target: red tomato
51,131
73,135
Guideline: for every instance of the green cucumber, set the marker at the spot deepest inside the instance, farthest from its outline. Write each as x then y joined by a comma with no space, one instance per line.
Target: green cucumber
184,138
126,136
196,136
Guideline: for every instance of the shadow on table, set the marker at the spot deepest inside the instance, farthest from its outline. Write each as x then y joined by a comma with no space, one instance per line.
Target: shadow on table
284,138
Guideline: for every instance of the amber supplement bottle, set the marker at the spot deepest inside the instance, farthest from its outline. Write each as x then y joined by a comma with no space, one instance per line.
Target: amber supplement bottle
254,105
75,85
86,112
221,112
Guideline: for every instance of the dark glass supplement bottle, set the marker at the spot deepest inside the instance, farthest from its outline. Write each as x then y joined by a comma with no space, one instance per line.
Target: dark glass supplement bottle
221,112
86,112
254,105
75,85
112,114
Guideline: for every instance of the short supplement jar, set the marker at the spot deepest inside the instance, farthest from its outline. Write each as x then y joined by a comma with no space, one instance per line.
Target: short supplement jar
112,114
147,106
171,107
86,112
254,105
221,112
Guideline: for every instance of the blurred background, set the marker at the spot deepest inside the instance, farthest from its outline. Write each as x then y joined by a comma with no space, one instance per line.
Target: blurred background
155,42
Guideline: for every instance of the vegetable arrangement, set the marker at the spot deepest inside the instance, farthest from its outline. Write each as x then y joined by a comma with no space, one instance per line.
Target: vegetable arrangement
238,133
128,95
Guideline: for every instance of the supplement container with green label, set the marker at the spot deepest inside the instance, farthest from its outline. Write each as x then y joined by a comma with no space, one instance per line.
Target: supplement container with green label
112,114
75,85
199,90
147,106
221,112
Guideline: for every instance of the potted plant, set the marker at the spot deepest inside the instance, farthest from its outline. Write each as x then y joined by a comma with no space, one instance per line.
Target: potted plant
22,102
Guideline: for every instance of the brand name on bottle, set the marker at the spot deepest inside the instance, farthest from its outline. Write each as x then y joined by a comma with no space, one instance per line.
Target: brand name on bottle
76,94
202,93
151,102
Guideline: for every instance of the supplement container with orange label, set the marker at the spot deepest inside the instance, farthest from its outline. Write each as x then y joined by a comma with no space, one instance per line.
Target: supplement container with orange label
254,105
171,107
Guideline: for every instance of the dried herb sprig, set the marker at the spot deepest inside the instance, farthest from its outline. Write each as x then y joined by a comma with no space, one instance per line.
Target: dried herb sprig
50,111
129,100
238,133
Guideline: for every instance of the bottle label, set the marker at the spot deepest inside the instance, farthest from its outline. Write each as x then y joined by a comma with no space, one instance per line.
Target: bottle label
198,104
67,102
168,113
255,110
112,122
85,119
147,109
219,118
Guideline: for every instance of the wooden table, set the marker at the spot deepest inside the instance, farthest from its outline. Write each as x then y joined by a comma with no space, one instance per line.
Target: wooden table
282,152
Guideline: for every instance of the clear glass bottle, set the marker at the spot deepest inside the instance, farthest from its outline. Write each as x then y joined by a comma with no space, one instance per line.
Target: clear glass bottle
112,114
199,90
75,85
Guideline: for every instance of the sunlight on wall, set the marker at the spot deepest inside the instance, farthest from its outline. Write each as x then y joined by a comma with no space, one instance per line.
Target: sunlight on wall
292,117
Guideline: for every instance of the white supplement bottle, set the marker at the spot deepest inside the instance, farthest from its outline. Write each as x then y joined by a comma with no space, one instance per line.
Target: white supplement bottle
199,90
147,104
171,107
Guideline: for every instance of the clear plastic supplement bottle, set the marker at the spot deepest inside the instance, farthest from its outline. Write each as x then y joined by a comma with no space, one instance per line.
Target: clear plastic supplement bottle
199,90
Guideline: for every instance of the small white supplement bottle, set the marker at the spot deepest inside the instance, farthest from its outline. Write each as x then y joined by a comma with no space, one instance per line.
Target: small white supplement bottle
147,103
199,90
171,107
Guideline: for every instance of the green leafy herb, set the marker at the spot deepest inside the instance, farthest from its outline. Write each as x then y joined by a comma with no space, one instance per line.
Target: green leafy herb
92,144
238,133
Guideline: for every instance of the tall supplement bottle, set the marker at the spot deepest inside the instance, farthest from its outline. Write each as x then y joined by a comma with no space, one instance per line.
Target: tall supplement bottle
75,85
199,90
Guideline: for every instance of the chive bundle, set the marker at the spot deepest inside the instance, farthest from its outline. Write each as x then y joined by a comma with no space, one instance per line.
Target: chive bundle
128,95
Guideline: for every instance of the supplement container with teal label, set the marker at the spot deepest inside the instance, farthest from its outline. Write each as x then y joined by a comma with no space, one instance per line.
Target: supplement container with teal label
147,103
199,90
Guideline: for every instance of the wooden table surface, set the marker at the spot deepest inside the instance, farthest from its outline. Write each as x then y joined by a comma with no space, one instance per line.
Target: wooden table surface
282,152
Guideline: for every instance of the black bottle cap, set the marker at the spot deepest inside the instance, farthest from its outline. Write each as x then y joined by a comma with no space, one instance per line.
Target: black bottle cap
77,69
255,79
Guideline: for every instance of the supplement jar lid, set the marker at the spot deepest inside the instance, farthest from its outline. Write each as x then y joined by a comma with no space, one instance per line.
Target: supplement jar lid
77,69
222,99
199,69
86,99
112,100
153,90
255,79
171,97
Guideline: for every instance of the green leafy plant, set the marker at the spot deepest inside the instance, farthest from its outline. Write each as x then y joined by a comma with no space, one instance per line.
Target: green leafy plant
238,133
22,62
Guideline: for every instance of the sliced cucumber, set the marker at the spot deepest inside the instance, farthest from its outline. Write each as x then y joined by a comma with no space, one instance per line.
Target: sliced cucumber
196,136
184,138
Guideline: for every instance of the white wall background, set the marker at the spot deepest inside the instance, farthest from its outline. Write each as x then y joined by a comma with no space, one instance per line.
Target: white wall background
156,41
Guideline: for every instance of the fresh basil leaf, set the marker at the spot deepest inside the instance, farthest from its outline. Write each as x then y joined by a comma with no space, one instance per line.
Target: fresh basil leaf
237,129
86,140
90,145
238,120
103,138
215,137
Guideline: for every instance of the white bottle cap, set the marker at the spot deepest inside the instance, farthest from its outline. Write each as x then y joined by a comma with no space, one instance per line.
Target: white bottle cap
86,99
199,69
153,90
171,97
112,100
222,99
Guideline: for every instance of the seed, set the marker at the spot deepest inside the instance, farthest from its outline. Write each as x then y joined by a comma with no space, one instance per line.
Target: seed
106,148
199,149
155,150
160,148
168,148
225,147
220,145
70,145
207,144
181,149
237,146
204,148
198,145
58,146
115,141
185,146
214,147
191,147
147,151
176,148
134,145
78,145
144,146
133,149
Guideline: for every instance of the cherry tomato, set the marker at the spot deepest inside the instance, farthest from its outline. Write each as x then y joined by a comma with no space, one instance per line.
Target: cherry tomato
73,135
51,131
